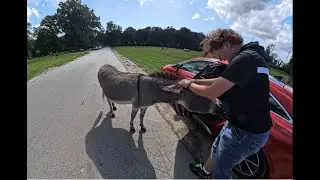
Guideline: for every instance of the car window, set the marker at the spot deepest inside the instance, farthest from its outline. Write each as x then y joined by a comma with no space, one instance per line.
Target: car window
277,108
195,66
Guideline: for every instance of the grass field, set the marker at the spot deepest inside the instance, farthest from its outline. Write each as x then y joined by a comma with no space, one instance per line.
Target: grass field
276,72
41,64
152,58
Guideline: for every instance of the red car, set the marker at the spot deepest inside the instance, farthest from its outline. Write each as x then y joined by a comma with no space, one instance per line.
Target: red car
275,158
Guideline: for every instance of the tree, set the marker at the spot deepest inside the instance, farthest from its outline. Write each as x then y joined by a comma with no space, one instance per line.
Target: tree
80,25
270,52
113,34
47,41
74,26
142,36
30,41
129,36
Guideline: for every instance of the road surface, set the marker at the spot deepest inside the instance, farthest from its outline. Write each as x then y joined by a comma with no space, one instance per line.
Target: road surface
70,133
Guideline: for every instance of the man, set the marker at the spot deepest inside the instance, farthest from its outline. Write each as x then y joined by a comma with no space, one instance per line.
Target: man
243,89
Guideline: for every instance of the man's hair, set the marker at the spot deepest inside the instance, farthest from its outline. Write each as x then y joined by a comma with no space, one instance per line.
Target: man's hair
215,39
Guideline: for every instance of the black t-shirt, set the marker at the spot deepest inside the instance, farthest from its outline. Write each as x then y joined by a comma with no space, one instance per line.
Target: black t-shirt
246,104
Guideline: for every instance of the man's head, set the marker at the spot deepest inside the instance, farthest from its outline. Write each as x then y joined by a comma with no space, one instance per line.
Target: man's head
222,43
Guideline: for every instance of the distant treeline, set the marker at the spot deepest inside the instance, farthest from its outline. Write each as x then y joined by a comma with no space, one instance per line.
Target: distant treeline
74,27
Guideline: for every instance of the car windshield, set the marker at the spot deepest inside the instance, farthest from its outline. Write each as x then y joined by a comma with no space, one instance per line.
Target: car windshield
197,65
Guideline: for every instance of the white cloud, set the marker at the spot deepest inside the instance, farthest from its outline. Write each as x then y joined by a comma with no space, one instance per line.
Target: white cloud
196,16
259,18
190,2
32,11
171,2
142,2
55,3
231,9
208,18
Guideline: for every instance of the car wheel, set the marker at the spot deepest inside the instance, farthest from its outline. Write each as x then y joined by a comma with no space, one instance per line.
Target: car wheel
255,166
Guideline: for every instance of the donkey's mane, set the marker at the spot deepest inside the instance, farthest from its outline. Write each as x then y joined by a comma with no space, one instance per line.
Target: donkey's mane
164,75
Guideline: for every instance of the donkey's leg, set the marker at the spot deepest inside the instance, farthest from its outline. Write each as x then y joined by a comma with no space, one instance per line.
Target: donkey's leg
142,113
111,109
113,106
133,115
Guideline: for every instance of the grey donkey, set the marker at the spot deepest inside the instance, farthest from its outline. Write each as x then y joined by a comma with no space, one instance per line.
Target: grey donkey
143,91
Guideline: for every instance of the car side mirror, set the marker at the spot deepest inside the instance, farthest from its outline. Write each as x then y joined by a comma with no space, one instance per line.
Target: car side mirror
178,66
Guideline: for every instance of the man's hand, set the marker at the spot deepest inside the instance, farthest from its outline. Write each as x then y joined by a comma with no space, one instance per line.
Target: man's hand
216,89
192,80
184,82
217,101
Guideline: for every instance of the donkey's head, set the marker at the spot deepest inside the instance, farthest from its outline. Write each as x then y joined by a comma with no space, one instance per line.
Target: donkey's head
190,100
171,92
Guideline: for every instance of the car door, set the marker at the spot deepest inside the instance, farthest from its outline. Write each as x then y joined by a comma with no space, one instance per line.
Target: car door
279,146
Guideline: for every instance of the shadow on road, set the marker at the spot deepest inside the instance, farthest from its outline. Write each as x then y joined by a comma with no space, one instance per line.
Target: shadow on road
198,144
114,152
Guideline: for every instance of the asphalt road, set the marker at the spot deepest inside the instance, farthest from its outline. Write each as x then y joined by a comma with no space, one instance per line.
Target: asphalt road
70,133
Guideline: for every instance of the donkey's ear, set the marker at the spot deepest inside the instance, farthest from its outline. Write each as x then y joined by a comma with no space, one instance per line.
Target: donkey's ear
176,89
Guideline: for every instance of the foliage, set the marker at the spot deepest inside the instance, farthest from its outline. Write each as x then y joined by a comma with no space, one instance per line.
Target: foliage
75,26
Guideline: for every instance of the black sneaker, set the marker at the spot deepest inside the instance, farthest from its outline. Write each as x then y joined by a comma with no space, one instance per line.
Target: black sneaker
197,169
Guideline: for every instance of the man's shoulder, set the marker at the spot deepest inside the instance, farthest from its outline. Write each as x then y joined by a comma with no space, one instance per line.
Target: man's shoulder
256,55
243,57
248,54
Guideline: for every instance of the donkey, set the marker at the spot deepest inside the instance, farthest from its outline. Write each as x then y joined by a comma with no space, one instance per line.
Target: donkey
143,91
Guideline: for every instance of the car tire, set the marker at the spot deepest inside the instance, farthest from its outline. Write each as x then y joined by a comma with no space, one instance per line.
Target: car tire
261,172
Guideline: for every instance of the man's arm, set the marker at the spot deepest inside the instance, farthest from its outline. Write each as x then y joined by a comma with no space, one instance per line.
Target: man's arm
239,72
213,91
205,82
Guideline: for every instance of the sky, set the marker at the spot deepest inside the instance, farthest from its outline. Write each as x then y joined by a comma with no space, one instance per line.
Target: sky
266,21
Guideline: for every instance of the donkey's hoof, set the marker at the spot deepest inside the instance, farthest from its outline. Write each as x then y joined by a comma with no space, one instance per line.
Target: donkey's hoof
114,108
132,129
143,129
112,116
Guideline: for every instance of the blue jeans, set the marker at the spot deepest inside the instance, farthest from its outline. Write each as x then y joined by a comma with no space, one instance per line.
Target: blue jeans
232,146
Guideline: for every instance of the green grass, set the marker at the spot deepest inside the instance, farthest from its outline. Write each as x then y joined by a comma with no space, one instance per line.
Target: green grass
276,72
41,64
152,58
